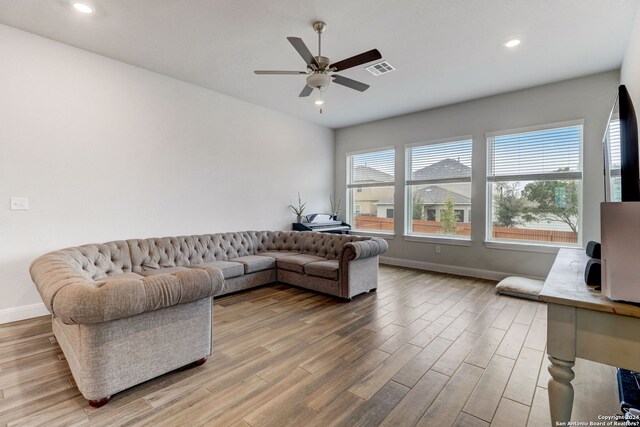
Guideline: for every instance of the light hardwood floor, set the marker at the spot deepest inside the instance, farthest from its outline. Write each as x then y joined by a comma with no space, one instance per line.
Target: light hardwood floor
427,349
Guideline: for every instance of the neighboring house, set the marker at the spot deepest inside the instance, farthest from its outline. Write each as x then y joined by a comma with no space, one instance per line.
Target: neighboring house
430,198
378,201
431,201
366,199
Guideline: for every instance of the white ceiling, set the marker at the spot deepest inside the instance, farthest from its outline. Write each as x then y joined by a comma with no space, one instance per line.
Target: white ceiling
445,51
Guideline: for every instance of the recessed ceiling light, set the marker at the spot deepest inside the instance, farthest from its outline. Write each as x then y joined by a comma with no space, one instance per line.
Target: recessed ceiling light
319,102
82,8
512,43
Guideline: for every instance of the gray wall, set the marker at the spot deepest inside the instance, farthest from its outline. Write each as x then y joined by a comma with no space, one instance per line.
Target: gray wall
106,151
589,98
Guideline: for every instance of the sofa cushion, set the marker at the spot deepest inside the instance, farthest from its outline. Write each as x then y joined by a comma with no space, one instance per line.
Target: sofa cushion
255,263
297,262
326,269
229,269
278,254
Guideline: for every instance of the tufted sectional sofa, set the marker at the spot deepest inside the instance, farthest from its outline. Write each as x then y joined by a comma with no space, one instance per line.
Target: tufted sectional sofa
127,311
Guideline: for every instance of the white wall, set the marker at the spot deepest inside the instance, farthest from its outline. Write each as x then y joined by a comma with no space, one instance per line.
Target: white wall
108,151
630,72
588,98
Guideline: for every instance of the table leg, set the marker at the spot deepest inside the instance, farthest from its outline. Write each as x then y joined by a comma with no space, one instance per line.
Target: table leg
560,389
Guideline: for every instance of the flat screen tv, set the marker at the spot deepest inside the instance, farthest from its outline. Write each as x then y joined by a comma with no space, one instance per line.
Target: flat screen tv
621,156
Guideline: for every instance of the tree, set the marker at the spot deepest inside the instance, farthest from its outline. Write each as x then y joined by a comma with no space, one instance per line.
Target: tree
509,205
448,217
552,201
418,208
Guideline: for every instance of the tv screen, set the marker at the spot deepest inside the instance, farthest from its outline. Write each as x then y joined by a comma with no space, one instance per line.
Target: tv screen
621,157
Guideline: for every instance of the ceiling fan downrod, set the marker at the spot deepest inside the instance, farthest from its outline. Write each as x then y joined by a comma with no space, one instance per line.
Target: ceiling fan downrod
319,27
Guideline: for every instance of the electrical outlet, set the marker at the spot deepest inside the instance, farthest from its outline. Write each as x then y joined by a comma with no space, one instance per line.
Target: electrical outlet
19,204
437,249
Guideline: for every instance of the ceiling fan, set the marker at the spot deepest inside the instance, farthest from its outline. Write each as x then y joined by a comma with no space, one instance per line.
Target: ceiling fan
320,70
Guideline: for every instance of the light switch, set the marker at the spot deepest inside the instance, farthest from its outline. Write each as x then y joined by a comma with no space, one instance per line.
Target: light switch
19,203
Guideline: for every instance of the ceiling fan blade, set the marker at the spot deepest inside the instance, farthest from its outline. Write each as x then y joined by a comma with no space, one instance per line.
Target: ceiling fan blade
303,50
350,83
279,72
306,91
354,61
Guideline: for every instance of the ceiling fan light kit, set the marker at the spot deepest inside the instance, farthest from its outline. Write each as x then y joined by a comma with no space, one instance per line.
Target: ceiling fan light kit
320,69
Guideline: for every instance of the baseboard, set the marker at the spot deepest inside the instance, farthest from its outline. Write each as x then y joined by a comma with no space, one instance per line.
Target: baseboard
445,268
14,314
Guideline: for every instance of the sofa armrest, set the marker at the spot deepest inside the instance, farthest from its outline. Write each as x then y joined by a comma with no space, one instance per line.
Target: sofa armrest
364,248
96,301
77,299
102,301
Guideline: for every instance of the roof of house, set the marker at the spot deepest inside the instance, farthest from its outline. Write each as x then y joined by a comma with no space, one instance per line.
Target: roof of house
366,174
436,195
444,169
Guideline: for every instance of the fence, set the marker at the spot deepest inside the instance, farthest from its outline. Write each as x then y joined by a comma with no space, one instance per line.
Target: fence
554,236
464,229
419,225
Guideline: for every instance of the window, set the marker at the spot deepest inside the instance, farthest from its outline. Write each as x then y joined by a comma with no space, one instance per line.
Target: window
370,181
534,181
438,186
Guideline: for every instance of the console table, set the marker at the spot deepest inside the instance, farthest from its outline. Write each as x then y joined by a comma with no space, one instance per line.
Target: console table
583,323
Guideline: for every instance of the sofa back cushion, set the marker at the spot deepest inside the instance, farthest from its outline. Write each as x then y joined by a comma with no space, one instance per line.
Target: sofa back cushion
185,251
220,247
207,248
277,241
162,252
97,261
326,245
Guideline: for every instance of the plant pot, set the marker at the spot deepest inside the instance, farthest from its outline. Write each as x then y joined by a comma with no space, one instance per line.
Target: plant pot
299,219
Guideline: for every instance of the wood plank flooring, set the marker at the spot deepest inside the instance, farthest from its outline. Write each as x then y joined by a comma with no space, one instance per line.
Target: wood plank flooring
427,349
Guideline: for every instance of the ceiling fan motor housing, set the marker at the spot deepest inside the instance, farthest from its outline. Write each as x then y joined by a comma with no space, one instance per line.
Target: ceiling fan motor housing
319,81
323,62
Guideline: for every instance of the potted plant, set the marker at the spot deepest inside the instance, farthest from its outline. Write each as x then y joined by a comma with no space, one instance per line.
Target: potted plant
335,209
298,210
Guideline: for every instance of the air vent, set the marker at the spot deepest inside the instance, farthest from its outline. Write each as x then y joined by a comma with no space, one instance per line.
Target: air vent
380,68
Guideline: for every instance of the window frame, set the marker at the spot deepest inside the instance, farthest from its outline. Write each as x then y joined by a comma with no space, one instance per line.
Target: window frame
526,245
408,217
350,205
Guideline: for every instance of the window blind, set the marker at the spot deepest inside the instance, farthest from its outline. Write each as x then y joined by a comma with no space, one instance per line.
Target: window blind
544,154
371,169
614,146
445,162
